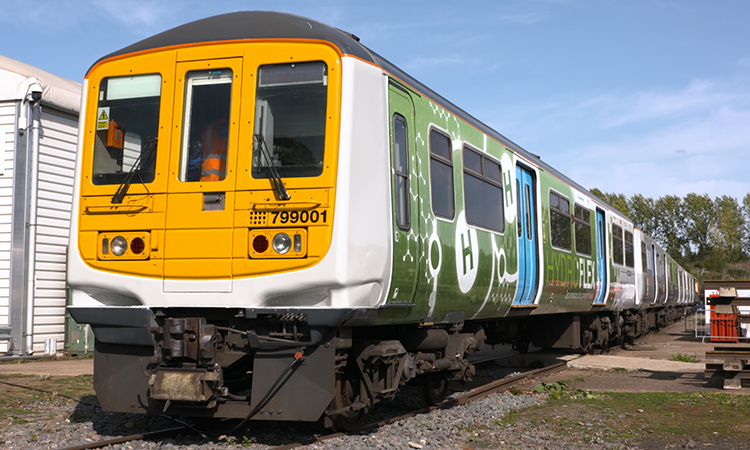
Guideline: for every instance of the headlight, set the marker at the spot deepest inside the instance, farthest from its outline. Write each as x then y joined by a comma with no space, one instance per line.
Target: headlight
276,243
119,246
281,243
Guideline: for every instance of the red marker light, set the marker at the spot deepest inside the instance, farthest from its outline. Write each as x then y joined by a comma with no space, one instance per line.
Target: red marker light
260,243
137,245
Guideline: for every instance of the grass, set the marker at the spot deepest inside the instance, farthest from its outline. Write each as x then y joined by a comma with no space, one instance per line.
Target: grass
15,401
684,357
644,417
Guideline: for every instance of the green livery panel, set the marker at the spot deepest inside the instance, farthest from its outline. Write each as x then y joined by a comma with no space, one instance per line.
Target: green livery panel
450,251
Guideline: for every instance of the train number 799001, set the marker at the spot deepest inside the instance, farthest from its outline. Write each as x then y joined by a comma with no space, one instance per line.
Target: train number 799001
295,217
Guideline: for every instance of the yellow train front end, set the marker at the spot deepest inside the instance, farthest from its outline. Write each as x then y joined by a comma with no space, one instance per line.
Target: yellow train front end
189,155
205,208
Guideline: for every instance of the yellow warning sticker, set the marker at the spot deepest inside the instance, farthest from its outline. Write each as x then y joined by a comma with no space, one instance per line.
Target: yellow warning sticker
102,118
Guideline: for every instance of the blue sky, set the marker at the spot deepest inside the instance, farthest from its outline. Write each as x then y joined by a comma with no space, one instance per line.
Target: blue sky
640,96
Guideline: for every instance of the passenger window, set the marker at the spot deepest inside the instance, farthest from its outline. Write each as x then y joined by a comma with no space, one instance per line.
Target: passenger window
644,257
629,250
559,208
401,172
441,176
583,230
205,125
290,120
127,125
483,195
617,244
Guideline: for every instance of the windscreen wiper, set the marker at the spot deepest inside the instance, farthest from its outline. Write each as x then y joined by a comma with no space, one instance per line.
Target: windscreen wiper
275,177
123,189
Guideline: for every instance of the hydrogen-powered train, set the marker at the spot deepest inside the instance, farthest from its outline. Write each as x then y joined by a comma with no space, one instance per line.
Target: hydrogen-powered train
273,222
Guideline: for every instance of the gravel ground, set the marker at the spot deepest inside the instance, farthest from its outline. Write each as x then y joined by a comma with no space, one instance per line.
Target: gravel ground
59,423
56,422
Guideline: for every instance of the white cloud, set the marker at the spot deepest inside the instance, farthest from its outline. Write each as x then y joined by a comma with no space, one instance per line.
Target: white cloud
693,139
142,12
710,155
699,97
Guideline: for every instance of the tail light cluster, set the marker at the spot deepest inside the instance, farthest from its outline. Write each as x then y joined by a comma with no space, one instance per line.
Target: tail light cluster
282,243
123,246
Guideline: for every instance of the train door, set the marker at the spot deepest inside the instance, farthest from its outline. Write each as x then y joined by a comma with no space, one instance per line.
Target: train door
200,202
528,257
650,274
656,274
405,197
601,257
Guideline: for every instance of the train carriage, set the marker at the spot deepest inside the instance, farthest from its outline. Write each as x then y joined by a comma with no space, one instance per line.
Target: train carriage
271,215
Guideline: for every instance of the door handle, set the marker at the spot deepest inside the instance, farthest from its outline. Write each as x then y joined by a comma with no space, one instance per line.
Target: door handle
213,201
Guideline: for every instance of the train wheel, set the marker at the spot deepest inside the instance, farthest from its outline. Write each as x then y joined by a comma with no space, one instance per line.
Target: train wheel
434,389
521,345
344,398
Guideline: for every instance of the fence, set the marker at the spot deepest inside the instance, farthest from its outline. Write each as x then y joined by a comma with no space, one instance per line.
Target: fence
718,327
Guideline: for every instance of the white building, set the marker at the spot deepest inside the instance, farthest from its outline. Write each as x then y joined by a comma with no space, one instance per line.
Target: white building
38,135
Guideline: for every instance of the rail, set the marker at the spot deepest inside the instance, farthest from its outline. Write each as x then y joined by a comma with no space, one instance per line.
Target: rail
477,393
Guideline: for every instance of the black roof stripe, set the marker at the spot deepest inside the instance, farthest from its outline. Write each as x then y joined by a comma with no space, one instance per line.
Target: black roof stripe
248,25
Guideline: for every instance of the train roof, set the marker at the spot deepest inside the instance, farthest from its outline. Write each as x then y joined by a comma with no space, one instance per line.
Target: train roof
252,25
249,25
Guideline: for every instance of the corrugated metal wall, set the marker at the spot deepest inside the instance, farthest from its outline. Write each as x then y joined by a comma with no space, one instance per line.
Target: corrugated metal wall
7,138
57,158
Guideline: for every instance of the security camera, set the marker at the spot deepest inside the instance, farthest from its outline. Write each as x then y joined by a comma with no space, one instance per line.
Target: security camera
35,92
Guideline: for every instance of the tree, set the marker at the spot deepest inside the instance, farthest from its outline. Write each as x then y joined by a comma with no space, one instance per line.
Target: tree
746,228
671,227
617,201
699,216
643,213
729,228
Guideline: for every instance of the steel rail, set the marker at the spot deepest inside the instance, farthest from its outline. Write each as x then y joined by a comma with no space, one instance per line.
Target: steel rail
132,437
477,393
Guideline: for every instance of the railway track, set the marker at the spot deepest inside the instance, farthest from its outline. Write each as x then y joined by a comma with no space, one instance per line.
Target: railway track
474,394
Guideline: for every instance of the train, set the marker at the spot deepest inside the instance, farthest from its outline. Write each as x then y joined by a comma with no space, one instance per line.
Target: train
273,222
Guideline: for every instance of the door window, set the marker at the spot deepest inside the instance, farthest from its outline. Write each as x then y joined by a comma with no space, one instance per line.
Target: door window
205,138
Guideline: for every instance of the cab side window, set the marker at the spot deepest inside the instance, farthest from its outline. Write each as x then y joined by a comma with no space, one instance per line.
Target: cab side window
401,172
441,176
